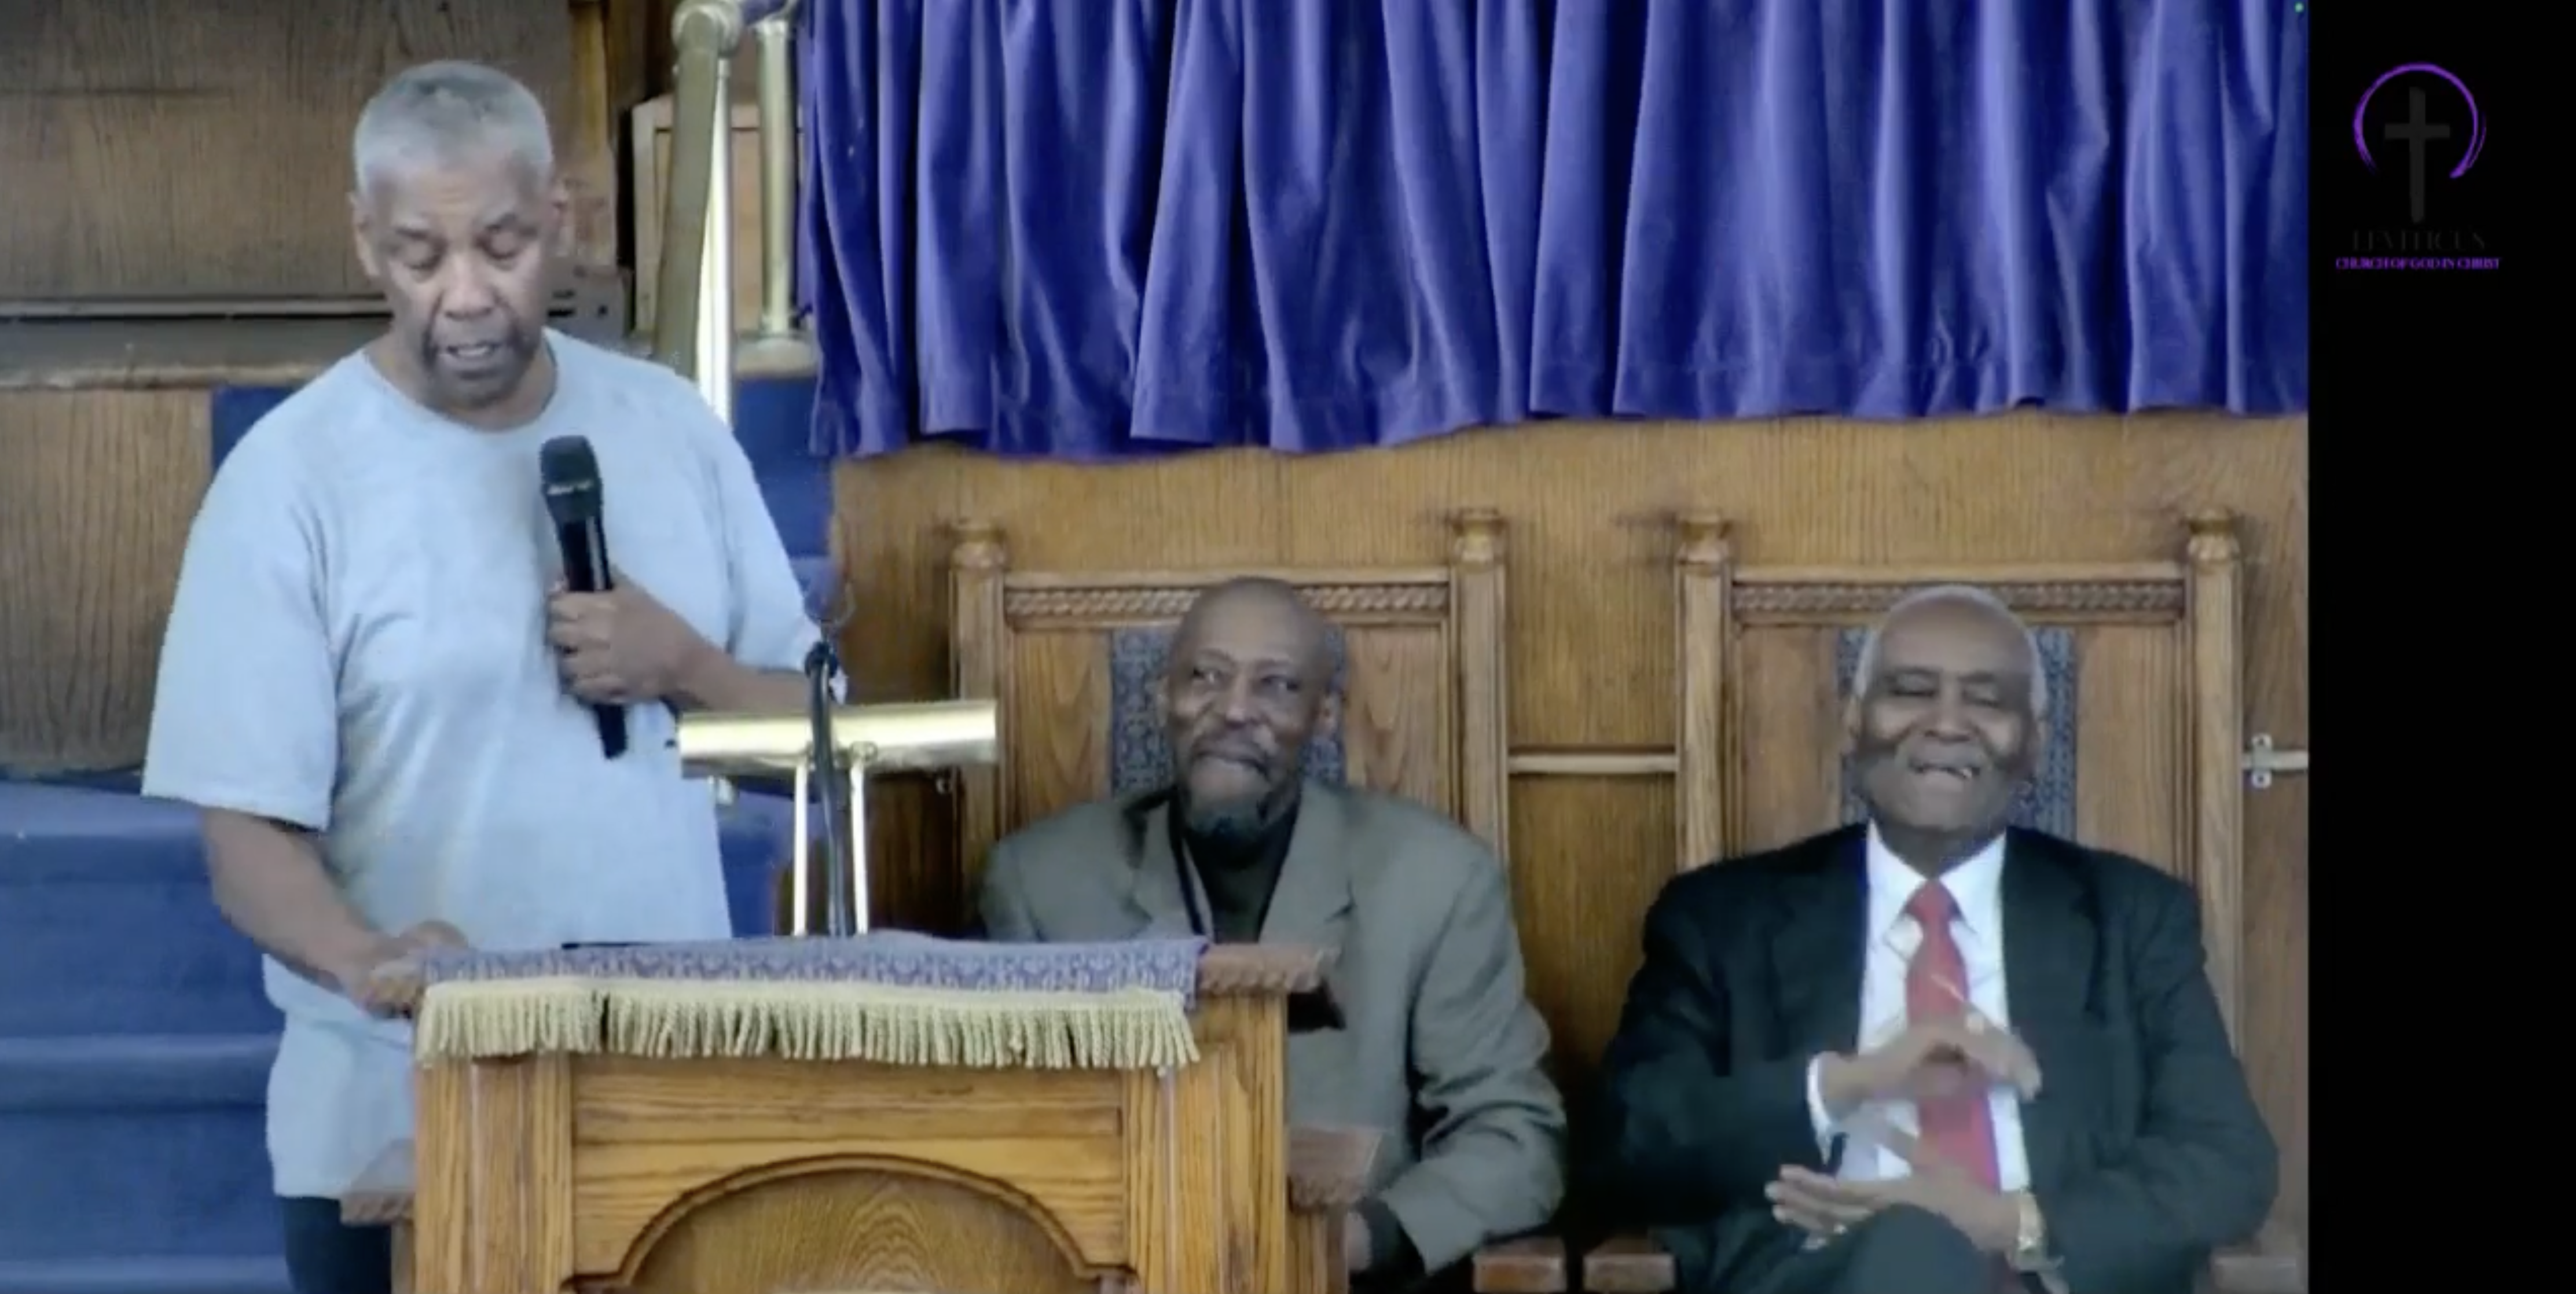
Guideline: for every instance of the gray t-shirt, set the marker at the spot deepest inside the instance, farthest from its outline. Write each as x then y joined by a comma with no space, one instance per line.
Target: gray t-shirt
358,647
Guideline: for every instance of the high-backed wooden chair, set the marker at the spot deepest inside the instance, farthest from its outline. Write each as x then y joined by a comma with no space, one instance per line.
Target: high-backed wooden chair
2145,748
1072,657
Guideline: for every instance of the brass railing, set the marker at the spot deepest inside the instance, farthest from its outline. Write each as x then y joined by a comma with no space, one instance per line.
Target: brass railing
693,323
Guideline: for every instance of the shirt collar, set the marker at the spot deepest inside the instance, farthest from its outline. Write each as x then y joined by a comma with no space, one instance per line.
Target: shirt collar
1975,885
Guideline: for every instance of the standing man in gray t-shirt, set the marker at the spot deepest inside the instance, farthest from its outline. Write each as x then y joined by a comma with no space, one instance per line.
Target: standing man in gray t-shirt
373,683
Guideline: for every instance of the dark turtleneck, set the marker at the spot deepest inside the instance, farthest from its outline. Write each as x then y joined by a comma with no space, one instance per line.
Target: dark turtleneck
1238,875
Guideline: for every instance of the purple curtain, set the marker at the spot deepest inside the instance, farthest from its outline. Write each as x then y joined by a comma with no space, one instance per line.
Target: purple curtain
1098,228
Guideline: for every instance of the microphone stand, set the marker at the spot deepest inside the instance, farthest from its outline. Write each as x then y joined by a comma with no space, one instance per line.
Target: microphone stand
831,776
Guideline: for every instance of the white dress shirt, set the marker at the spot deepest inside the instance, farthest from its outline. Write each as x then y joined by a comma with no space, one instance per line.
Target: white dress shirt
1976,888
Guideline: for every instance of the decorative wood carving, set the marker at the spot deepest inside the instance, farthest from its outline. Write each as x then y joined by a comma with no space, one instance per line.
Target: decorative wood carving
702,1177
1800,595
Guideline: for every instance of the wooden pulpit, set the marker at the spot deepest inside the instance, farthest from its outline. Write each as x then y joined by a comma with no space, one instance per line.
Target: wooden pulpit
592,1172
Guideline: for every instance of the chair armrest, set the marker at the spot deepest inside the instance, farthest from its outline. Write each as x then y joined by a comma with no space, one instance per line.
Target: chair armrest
2274,1262
1628,1264
1524,1265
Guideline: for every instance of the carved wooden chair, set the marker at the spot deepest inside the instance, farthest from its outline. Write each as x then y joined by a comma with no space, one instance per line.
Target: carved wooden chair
2144,667
1071,658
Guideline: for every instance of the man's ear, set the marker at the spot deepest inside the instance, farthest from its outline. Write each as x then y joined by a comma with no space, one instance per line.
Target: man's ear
559,200
1328,716
1851,724
362,239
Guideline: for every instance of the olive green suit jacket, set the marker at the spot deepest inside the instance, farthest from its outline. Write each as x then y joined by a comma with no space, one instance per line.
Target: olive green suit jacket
1440,1049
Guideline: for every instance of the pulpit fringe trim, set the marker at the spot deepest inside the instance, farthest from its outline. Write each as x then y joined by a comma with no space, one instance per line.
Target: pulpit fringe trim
885,1024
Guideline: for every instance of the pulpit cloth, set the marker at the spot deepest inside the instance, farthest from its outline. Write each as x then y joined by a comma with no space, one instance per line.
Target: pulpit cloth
893,998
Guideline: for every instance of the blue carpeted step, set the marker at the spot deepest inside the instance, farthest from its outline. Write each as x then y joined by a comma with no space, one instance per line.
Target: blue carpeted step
135,1045
134,1072
106,925
149,1145
145,1276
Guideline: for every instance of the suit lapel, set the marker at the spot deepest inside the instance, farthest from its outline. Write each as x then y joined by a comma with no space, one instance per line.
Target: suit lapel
1819,946
1314,892
2048,977
1154,892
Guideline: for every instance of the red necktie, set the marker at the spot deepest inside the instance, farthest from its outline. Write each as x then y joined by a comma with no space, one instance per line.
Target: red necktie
1959,1127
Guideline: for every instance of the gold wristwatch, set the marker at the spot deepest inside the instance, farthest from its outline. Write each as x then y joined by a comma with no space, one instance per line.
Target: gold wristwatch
2030,1237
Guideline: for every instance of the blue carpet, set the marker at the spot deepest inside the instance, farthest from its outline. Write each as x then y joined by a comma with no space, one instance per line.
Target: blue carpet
134,1038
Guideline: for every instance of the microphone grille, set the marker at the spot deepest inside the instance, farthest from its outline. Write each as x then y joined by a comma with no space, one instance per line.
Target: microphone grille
568,477
566,462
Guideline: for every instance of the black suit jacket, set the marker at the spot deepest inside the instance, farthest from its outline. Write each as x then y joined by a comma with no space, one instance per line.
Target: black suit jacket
2146,1151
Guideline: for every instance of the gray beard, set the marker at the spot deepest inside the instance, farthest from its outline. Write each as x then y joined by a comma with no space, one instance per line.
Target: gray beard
1229,822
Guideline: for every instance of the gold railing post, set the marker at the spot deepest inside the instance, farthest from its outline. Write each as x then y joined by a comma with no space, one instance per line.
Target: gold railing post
703,35
777,177
693,324
713,336
778,344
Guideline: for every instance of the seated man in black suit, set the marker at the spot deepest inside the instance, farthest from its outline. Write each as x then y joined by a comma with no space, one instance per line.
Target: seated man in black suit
1931,1055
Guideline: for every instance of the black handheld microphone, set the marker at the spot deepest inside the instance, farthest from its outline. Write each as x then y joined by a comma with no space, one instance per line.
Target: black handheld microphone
570,473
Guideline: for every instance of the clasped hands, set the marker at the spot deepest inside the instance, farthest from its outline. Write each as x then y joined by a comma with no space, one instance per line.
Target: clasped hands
1927,1061
621,647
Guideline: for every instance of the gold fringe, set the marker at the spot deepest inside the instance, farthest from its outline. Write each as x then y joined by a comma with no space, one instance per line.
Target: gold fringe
694,1019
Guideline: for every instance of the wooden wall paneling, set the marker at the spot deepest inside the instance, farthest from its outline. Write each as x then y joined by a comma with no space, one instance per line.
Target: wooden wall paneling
174,149
591,132
1594,721
96,497
2134,731
1399,685
1580,898
1788,735
1058,692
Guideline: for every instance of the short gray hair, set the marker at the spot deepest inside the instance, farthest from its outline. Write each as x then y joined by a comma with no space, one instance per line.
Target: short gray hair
1953,595
437,112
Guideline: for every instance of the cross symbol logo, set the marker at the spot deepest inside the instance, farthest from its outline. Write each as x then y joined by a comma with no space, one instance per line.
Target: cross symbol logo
2418,131
2415,132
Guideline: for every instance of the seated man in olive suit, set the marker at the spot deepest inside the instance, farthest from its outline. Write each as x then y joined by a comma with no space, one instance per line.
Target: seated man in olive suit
1439,1048
1928,1054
